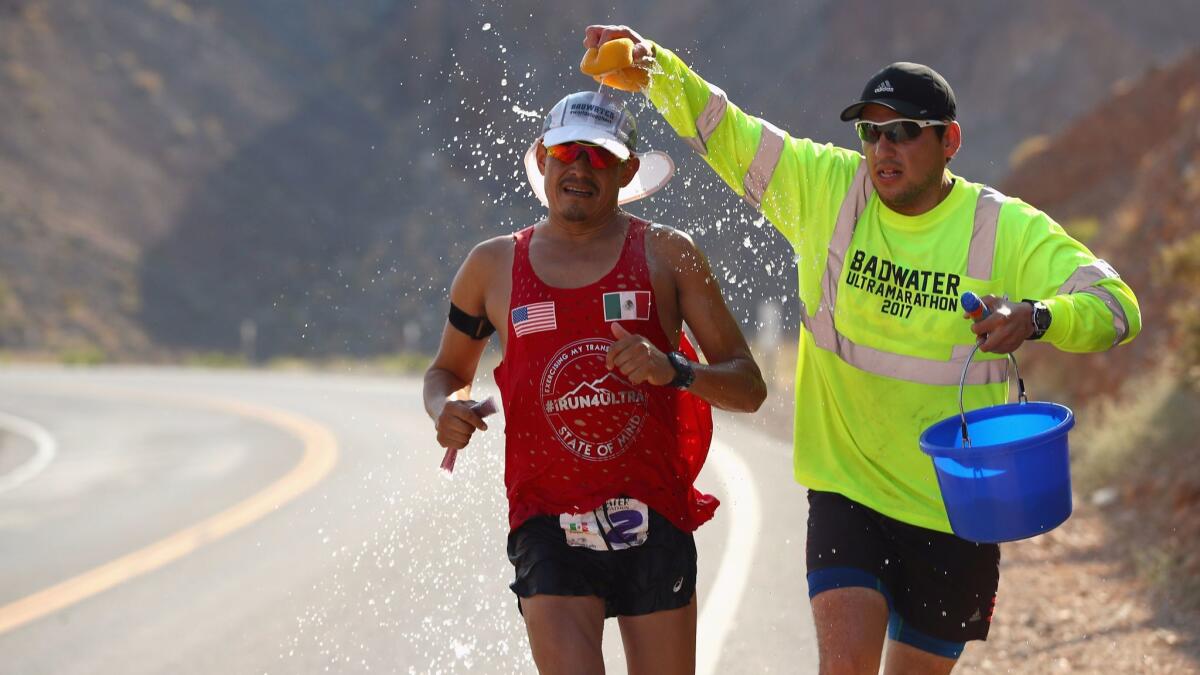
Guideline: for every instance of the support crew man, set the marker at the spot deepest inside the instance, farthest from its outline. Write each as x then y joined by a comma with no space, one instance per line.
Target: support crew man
888,238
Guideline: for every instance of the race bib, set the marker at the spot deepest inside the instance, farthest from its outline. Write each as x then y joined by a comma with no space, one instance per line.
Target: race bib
619,524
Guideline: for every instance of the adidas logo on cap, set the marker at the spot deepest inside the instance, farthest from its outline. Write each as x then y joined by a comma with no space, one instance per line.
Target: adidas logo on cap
886,85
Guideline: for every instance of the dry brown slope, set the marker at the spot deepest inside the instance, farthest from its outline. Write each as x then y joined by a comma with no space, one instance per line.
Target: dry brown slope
111,111
1129,171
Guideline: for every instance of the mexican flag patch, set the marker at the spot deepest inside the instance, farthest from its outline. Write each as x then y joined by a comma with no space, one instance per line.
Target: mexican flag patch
626,305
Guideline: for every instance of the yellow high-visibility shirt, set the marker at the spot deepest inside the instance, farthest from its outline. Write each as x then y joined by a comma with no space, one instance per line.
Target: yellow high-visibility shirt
888,365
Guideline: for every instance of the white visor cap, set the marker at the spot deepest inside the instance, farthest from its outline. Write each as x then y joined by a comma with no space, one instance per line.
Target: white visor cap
600,118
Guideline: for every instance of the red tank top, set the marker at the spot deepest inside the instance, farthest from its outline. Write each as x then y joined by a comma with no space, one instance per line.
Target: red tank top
577,434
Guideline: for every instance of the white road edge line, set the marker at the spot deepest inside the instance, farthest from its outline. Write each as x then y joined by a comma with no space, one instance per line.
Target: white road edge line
45,448
745,510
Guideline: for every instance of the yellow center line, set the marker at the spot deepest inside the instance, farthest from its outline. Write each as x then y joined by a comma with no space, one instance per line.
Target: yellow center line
320,455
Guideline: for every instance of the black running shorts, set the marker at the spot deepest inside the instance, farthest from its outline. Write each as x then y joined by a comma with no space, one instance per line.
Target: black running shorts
658,575
939,587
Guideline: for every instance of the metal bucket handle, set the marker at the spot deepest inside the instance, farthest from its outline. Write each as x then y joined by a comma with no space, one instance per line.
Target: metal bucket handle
962,382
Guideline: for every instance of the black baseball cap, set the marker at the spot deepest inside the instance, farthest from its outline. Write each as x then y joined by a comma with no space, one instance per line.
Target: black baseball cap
911,89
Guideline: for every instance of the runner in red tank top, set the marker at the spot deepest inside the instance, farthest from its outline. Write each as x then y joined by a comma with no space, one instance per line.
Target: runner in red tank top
606,407
571,422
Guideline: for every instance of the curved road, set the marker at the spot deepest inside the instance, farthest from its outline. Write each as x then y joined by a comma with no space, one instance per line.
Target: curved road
183,521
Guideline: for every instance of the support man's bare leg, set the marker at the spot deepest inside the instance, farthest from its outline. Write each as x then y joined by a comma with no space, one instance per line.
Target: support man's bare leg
661,643
851,627
565,633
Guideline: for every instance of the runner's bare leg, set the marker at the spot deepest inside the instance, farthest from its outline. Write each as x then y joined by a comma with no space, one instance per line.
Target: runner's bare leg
565,633
661,643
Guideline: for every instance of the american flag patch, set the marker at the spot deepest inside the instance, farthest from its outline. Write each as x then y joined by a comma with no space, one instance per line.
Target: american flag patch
534,318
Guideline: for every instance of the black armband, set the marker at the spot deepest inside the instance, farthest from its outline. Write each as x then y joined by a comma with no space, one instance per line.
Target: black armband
475,327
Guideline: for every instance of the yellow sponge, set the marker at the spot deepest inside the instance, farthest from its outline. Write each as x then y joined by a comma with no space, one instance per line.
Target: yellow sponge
610,56
612,64
626,79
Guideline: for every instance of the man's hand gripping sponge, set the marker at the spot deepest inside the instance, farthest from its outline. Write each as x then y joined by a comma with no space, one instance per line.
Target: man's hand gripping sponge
612,64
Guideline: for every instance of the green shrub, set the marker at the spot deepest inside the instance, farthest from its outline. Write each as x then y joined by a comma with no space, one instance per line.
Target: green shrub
84,355
215,360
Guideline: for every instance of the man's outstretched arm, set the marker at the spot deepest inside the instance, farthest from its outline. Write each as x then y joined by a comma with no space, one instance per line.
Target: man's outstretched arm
791,180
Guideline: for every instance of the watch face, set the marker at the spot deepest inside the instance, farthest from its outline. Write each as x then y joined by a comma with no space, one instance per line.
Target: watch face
1041,316
683,369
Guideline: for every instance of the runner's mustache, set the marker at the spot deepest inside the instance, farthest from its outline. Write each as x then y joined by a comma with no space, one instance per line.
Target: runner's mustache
579,183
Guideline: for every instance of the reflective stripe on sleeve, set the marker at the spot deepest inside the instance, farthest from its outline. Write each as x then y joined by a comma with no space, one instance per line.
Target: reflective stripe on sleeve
758,177
1084,280
709,118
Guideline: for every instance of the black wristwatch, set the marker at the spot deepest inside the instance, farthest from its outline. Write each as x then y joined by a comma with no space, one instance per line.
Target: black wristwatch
684,375
1041,319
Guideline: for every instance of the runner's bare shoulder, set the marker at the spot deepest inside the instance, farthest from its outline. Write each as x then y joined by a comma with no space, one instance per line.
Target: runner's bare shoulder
673,249
487,259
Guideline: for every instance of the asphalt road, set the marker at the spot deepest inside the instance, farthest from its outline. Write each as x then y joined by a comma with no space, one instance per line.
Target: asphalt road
183,521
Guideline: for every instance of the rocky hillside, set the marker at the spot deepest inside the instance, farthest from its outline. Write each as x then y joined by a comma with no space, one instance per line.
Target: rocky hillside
1125,178
170,169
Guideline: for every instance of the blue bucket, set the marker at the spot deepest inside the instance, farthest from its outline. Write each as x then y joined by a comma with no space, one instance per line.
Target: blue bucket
1004,470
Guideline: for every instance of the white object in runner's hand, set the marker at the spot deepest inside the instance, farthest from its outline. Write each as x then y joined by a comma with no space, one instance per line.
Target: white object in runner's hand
483,408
